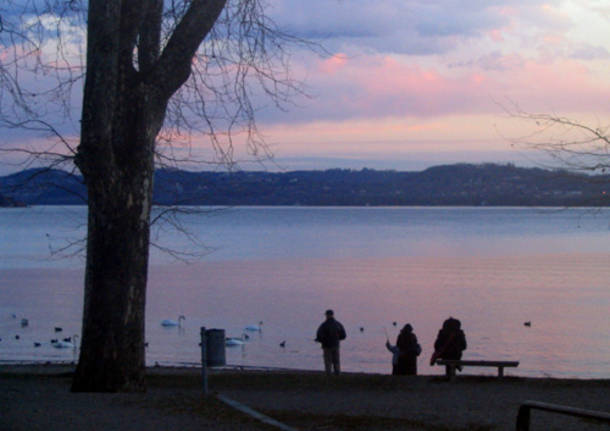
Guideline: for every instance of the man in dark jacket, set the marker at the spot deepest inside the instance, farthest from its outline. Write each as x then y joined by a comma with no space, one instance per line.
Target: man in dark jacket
329,334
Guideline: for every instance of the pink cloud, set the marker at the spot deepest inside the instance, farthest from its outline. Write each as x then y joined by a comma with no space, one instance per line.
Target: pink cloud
333,64
496,35
385,86
559,86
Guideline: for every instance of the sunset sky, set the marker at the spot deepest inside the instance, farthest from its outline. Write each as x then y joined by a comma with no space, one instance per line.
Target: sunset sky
408,84
419,82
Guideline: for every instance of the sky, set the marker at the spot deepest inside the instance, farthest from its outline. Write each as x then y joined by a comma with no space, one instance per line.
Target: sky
408,84
414,83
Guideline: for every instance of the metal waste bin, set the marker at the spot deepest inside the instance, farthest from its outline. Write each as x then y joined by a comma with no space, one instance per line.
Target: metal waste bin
215,345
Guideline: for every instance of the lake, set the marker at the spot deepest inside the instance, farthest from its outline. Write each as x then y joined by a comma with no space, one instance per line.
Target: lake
492,268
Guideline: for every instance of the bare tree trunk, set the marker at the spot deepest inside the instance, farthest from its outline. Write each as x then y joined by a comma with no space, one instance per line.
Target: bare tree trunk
120,195
123,111
112,353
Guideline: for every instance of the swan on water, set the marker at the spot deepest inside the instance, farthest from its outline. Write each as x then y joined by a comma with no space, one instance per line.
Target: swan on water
170,322
236,341
255,328
63,344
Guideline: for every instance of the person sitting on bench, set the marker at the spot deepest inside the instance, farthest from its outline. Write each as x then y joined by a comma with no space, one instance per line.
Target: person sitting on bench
450,342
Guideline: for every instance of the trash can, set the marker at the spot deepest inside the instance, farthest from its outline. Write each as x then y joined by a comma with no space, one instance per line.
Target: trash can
215,345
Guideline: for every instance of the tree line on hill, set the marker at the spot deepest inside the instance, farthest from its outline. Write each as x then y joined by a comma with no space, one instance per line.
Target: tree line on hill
451,185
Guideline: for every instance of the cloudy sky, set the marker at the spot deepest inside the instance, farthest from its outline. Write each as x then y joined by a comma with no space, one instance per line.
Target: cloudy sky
418,82
413,83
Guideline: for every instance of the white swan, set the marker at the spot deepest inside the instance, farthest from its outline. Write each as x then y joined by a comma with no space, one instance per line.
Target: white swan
255,328
236,341
170,322
64,344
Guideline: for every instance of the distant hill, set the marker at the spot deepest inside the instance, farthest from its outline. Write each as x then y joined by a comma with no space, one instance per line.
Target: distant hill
44,187
8,202
459,184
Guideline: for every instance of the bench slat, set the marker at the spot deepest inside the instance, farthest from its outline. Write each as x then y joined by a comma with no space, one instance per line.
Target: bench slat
460,362
452,364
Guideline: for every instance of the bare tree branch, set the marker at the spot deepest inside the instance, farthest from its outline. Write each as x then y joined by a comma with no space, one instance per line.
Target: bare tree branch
571,144
174,65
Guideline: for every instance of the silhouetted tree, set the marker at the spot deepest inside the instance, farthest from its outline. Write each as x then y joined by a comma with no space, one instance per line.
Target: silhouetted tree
151,66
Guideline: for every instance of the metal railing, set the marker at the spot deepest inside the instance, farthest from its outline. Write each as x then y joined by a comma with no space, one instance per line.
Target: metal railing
523,417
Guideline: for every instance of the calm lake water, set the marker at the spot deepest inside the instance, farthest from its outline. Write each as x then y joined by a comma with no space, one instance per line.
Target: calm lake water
493,268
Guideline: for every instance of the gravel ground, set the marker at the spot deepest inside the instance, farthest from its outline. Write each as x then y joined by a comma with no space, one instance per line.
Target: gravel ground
38,398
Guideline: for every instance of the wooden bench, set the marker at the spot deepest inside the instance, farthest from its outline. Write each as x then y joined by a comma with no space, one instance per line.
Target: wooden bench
452,364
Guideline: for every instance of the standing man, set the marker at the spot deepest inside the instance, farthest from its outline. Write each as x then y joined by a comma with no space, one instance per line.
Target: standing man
329,334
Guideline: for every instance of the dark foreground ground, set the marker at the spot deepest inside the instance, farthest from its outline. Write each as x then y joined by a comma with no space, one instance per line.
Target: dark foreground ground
38,398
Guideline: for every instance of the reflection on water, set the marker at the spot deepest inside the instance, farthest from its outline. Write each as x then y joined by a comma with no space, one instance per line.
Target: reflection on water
492,297
476,265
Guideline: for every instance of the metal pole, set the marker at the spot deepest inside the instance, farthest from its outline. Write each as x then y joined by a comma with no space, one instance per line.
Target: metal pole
204,362
523,418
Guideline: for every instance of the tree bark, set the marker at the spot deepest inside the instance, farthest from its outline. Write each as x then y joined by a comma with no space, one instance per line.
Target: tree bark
123,111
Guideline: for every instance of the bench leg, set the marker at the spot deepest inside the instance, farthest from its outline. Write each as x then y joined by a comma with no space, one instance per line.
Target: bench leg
450,371
500,371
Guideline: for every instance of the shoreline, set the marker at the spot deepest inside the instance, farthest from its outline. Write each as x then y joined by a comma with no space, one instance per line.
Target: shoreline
42,367
66,368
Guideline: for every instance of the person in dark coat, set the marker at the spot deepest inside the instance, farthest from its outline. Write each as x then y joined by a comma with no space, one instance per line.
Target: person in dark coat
408,350
329,334
450,341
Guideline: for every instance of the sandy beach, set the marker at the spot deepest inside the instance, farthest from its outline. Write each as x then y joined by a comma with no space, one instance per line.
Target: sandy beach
37,397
